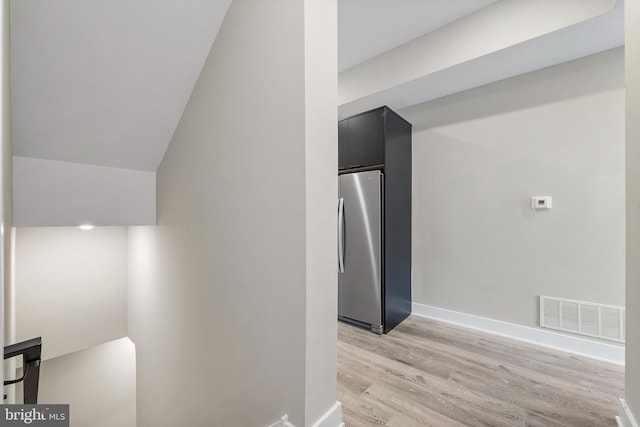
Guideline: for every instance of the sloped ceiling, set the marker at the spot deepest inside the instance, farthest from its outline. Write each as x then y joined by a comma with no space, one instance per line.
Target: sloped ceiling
104,82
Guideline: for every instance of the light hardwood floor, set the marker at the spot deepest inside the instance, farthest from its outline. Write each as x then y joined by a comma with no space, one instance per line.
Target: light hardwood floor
425,373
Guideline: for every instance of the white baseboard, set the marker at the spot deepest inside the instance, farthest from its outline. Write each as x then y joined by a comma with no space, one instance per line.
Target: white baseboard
625,417
282,422
581,346
332,418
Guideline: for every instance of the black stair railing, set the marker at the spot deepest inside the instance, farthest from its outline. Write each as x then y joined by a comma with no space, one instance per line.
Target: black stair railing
30,351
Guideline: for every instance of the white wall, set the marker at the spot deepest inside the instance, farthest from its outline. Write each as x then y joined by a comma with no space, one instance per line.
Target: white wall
70,287
5,167
54,193
478,158
218,304
321,157
632,52
98,384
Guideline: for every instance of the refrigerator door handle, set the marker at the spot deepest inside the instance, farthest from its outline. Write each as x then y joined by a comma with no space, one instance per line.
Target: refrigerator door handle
341,235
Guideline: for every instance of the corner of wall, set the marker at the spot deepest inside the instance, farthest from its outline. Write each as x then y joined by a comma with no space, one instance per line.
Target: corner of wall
625,418
632,65
5,166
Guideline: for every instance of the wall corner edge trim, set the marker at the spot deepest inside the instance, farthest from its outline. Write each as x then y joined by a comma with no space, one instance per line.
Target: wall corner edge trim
625,418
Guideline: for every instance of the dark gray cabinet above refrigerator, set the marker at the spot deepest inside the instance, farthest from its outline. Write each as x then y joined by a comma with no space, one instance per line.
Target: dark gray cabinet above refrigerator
381,140
361,140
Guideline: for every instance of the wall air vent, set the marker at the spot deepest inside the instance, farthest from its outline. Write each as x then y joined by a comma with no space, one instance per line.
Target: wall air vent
584,318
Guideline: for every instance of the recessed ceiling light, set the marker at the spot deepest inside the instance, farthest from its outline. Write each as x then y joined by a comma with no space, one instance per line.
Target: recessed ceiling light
86,227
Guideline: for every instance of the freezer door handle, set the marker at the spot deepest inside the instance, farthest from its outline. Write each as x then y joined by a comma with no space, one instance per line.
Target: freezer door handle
341,235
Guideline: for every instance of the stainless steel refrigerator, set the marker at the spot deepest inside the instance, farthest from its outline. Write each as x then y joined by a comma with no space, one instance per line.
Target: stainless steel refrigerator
360,249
